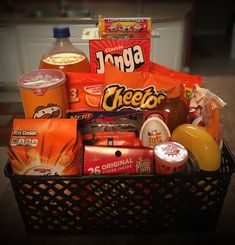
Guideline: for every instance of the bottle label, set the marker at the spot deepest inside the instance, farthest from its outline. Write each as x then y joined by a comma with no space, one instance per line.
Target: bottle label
64,59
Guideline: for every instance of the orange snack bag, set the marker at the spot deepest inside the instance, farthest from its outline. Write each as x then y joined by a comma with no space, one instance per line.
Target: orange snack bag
135,90
212,119
45,147
188,81
84,90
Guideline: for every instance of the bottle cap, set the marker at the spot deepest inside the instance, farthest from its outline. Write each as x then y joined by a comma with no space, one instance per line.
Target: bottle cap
61,32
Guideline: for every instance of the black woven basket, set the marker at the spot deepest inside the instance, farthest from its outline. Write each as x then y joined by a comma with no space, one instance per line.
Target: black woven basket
123,204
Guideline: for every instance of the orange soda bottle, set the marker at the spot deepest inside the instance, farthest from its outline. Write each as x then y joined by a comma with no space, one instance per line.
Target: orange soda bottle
64,55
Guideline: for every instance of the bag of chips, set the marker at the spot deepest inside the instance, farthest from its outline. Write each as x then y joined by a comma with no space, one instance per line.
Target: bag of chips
45,147
135,90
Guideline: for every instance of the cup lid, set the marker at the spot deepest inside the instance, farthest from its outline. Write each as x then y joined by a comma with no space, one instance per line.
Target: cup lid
171,153
43,78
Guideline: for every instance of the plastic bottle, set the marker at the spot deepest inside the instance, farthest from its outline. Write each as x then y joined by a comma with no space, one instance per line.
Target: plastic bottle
64,55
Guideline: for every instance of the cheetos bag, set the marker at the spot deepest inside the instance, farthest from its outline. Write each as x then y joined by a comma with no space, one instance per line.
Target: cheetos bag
137,90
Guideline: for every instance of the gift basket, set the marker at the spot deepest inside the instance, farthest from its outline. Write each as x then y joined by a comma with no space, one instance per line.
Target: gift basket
130,147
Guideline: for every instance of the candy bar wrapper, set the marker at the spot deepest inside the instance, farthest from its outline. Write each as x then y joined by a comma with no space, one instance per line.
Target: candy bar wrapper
84,90
205,111
117,161
188,81
45,147
123,25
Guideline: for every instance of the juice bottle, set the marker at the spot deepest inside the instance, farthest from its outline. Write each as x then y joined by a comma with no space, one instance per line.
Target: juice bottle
64,55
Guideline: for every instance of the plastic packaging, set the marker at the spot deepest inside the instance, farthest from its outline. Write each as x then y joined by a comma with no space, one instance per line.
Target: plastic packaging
63,55
201,144
188,81
135,90
204,110
41,147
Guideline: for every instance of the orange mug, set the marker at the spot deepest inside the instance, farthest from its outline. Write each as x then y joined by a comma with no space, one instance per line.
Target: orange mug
43,94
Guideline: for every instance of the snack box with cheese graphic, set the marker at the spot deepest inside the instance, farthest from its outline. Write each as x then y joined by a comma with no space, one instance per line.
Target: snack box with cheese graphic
45,147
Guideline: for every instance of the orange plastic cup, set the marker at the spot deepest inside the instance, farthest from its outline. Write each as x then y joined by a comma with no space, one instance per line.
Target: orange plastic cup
43,94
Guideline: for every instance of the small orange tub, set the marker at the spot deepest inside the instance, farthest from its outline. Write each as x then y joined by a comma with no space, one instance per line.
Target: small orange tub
170,157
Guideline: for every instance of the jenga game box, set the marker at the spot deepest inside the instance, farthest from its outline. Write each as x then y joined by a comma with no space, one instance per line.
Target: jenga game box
125,42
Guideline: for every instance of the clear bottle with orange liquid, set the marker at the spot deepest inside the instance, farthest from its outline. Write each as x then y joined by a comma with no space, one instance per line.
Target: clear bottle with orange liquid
64,55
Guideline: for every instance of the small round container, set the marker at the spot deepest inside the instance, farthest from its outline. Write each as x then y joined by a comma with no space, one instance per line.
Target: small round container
170,157
43,94
153,131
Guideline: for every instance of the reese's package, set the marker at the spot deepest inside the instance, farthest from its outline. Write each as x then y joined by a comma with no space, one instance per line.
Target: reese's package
188,81
136,90
45,147
84,90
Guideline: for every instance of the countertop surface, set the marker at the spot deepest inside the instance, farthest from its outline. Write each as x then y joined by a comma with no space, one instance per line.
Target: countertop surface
158,11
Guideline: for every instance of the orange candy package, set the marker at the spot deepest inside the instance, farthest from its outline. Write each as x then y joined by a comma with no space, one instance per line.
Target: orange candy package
136,90
84,90
188,81
45,147
204,111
